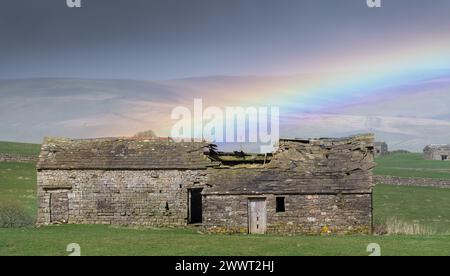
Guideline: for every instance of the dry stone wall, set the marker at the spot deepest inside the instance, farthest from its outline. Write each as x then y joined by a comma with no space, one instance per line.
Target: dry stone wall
5,157
412,181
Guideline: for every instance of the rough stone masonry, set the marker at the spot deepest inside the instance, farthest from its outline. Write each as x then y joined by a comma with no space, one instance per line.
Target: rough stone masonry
308,186
437,152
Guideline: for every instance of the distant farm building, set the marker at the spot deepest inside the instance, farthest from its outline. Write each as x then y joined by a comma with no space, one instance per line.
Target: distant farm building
380,148
437,152
308,186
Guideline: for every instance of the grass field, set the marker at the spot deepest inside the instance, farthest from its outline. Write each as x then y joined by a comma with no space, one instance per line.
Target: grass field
20,148
18,185
411,165
106,240
426,208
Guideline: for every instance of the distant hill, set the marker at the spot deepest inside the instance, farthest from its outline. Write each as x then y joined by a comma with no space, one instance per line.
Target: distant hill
405,116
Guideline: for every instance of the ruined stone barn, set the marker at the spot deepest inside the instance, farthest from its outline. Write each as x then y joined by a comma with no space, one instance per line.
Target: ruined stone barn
307,186
381,148
437,152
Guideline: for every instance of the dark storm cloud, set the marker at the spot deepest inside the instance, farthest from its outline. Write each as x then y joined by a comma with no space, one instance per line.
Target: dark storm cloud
151,39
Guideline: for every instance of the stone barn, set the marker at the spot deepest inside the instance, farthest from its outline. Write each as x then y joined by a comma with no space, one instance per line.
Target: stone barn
437,152
308,186
381,148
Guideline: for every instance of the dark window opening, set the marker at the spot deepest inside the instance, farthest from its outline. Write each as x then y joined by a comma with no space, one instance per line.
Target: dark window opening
281,206
167,206
444,157
195,206
181,186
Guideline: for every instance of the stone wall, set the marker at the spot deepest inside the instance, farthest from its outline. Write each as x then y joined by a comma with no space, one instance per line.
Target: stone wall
304,214
152,198
5,157
410,181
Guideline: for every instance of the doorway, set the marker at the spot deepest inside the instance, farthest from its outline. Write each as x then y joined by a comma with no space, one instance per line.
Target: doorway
195,206
257,216
59,207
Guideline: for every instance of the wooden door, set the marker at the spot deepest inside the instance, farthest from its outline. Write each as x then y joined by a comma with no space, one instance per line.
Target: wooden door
257,216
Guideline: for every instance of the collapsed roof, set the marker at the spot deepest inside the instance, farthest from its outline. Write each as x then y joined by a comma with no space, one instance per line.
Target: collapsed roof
308,155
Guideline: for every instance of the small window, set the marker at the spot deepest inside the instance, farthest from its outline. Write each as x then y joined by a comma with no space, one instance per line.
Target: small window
280,205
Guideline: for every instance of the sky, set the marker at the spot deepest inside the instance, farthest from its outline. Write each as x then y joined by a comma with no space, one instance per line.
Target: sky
170,39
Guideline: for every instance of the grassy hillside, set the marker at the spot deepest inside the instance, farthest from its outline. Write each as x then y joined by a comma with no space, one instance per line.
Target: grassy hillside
411,165
20,148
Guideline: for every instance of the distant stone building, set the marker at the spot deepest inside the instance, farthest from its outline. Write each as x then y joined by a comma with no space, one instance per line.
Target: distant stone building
307,186
381,148
437,152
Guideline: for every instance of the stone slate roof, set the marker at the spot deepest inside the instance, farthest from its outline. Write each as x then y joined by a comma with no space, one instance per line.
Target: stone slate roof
437,147
269,181
122,153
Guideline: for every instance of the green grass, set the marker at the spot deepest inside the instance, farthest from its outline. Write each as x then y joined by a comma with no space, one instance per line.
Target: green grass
428,207
411,165
20,148
413,205
18,185
106,240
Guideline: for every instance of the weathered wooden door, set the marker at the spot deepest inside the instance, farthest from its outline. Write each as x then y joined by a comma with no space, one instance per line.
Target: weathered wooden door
257,216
